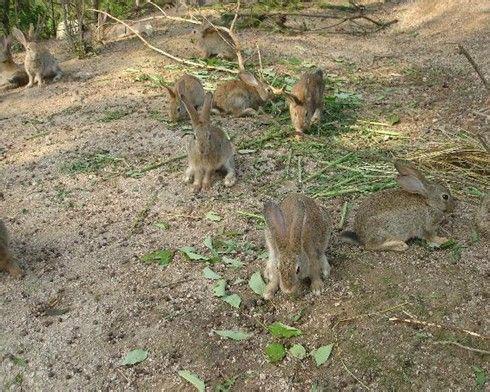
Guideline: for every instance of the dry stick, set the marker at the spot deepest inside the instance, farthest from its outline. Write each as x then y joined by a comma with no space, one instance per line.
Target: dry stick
354,376
372,313
476,350
166,54
439,326
159,164
193,21
465,53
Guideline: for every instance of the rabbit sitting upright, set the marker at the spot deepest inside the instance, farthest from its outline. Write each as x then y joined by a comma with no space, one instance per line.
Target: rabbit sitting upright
297,235
6,263
216,41
209,150
39,63
306,101
191,88
12,75
386,220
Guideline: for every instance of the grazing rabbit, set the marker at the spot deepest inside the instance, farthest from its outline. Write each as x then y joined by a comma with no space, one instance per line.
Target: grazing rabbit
6,263
306,101
386,220
214,41
12,75
191,88
483,217
39,63
297,235
209,151
243,96
110,32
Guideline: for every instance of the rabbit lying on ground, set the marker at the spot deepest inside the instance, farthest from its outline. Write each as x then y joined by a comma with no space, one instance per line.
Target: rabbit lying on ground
6,263
297,235
191,88
386,220
12,75
214,41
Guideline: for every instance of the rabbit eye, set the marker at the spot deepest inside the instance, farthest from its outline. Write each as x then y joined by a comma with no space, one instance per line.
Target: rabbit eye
297,269
445,197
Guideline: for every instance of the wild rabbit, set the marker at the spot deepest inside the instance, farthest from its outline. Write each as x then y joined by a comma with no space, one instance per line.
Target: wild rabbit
243,96
209,151
297,235
6,263
483,217
191,88
306,101
12,75
214,41
109,32
386,220
39,63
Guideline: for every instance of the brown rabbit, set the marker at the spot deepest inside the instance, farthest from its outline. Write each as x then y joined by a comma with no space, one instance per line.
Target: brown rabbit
482,218
386,220
214,41
12,75
306,101
6,263
209,151
190,87
243,96
39,63
297,235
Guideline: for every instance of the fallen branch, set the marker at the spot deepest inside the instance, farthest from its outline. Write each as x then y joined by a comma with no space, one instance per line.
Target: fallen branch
472,349
462,50
438,326
372,313
176,18
162,52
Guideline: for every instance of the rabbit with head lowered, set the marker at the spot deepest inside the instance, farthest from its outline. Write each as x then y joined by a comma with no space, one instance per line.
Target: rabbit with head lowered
243,96
209,150
191,88
386,220
6,263
306,101
39,63
214,41
12,75
297,235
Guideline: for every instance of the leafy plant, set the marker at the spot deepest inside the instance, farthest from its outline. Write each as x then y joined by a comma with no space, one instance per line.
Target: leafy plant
134,357
281,330
194,379
161,257
275,352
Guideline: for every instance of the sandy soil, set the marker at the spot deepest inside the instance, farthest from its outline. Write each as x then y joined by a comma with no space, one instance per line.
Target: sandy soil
80,224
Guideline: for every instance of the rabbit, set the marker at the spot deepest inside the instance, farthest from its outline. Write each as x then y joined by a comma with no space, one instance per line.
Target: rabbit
209,150
482,218
243,96
214,41
39,63
386,220
109,32
191,88
297,235
306,101
6,263
12,75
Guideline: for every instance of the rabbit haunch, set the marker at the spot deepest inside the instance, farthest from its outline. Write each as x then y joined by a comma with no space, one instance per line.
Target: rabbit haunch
189,87
12,75
297,236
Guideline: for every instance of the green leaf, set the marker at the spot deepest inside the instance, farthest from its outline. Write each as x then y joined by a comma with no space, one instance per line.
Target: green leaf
233,263
281,330
480,376
275,352
233,299
135,356
297,351
162,225
210,274
321,354
297,317
256,283
194,379
219,288
234,335
208,242
213,216
226,385
191,254
393,119
162,257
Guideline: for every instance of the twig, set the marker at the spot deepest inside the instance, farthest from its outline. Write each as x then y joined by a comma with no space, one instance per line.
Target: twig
260,61
155,165
462,50
343,214
438,326
372,313
193,21
354,376
236,15
166,54
476,350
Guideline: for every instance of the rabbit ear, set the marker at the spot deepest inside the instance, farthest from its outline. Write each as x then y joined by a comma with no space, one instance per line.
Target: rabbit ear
296,231
410,179
293,98
190,109
172,93
275,221
206,107
31,32
251,80
19,36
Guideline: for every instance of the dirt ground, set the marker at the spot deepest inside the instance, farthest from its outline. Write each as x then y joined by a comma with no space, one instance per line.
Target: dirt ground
82,213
